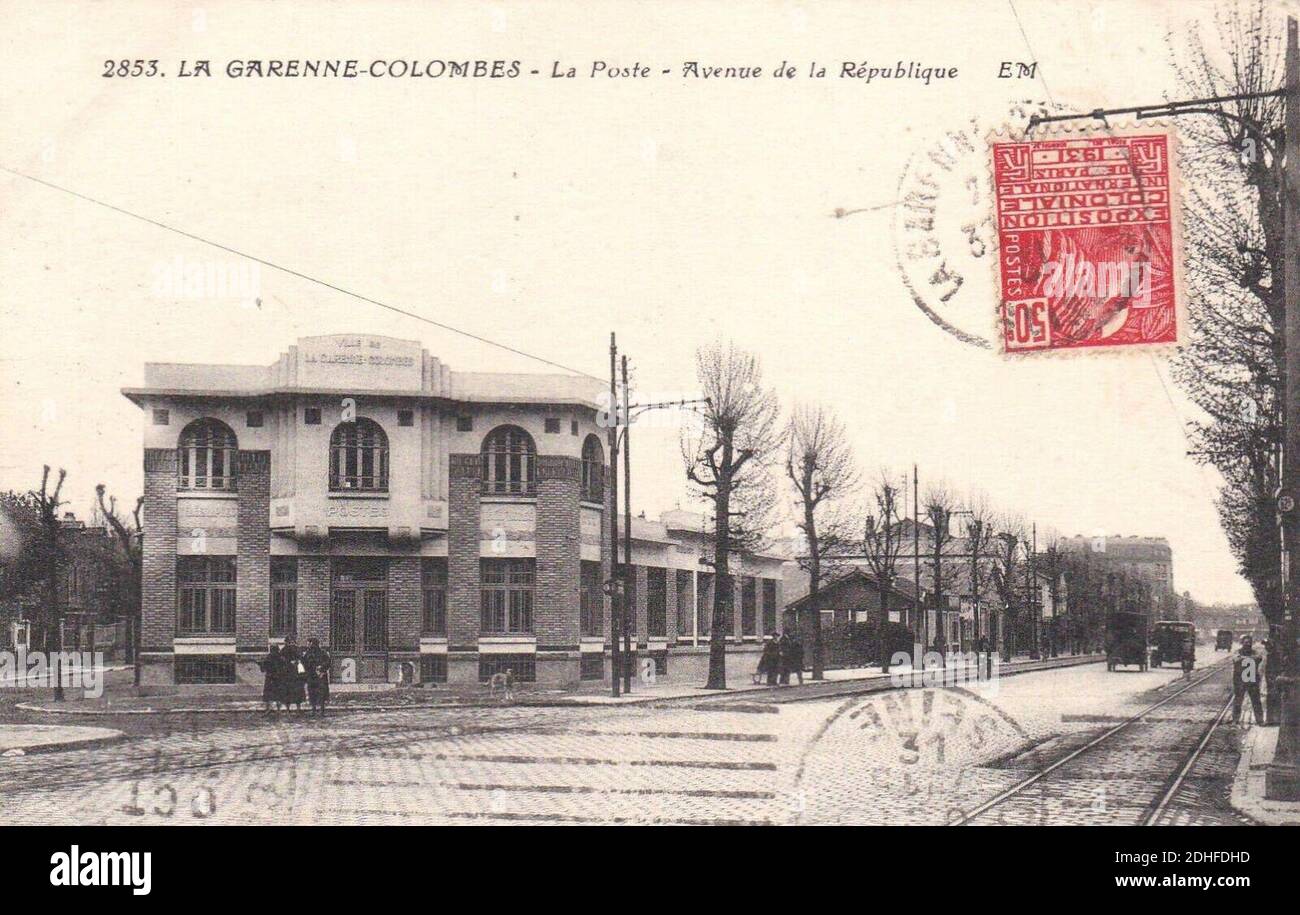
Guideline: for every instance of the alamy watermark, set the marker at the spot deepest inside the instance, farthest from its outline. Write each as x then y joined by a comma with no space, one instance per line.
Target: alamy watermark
1073,277
972,669
24,669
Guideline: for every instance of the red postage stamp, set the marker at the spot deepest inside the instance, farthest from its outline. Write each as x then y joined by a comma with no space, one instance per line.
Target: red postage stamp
1089,241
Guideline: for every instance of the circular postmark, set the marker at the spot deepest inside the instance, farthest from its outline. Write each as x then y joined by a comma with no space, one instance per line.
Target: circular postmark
945,234
907,756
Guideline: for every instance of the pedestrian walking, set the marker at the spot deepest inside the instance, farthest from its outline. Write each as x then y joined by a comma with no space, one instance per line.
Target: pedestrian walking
792,659
769,662
295,676
272,667
1247,672
783,659
317,661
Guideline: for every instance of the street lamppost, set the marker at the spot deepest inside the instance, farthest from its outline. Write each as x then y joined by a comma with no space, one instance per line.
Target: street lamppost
623,413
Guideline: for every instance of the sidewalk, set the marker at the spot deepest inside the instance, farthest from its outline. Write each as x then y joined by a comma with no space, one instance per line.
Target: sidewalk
836,682
1257,748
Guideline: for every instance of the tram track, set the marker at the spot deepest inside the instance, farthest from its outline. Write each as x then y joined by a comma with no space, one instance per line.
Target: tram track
1170,786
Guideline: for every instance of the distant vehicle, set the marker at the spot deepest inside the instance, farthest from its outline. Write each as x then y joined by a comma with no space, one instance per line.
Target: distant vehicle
1173,642
1126,640
1223,640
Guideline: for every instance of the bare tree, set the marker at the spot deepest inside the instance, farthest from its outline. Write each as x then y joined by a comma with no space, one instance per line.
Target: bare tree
882,540
1009,570
938,504
129,542
48,505
820,464
1051,563
980,530
729,463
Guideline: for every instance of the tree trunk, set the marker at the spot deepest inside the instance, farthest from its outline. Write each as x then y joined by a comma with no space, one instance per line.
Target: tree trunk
814,586
884,622
722,590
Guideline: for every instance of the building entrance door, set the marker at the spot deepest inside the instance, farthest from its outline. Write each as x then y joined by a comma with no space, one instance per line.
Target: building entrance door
359,619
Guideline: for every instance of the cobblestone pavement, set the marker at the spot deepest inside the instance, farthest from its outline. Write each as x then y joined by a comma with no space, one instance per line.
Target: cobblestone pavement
905,756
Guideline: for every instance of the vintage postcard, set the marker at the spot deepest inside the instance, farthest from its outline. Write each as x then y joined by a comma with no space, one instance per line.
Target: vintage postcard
624,413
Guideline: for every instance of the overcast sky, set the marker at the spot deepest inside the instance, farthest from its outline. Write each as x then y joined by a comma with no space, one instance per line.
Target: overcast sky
545,213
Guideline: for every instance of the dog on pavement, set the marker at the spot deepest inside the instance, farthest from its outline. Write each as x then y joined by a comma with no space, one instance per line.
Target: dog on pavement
503,683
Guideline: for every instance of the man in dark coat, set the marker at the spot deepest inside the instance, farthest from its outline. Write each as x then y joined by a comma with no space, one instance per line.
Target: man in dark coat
317,661
272,677
796,658
769,662
1247,674
294,692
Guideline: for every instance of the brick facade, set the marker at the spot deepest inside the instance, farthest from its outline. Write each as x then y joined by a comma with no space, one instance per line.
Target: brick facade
253,556
558,538
405,604
314,599
158,554
463,573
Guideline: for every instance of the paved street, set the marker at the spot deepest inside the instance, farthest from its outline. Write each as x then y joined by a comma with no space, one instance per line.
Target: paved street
903,756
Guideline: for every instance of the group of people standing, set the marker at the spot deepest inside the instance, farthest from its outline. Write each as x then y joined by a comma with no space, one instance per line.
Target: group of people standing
292,676
780,658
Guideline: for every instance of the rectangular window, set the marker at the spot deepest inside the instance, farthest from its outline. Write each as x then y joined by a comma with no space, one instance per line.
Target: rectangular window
284,596
591,597
524,666
704,601
343,621
205,595
161,417
552,424
685,604
406,417
573,427
201,669
656,608
506,604
433,668
464,424
433,581
253,419
769,606
592,666
311,416
748,606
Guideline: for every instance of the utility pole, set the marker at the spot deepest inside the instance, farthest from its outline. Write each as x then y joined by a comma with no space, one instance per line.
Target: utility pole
1282,778
628,571
919,648
615,579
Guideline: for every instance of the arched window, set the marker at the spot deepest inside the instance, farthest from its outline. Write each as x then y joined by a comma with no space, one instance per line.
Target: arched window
206,457
359,457
509,462
593,470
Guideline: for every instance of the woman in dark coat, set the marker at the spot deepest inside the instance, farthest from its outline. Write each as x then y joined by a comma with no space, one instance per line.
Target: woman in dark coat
769,662
294,692
272,677
317,661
